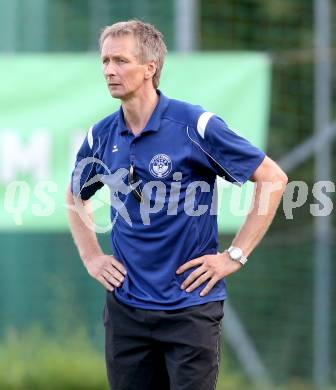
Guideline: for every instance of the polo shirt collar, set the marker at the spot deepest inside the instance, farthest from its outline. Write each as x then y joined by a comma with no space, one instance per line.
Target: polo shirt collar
154,121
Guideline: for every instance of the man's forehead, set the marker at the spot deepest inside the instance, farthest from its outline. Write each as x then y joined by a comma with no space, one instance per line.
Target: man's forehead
119,44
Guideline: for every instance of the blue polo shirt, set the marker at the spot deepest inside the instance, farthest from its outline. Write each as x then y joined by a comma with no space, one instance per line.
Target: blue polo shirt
176,158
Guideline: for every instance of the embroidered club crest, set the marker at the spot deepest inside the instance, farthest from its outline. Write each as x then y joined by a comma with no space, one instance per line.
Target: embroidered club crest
160,166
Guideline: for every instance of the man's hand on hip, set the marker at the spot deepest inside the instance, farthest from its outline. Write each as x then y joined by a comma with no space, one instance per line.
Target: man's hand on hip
107,270
209,267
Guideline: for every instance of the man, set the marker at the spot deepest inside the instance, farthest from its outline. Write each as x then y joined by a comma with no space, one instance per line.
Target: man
165,287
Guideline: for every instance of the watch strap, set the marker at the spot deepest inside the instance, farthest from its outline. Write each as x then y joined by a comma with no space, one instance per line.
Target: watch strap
242,260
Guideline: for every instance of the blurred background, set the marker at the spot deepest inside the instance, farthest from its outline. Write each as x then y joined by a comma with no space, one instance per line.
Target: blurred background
279,326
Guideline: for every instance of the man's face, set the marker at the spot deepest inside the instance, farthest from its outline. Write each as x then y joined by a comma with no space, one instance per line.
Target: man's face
123,73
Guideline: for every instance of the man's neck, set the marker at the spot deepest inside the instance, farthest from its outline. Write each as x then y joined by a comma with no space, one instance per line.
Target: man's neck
138,109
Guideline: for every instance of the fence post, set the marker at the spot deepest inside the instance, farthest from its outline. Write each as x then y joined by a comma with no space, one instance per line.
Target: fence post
322,224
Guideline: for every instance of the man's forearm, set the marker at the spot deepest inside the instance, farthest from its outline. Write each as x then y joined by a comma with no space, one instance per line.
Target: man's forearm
85,237
260,216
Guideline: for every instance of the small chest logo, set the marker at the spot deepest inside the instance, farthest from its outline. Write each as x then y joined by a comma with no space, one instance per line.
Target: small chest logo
160,166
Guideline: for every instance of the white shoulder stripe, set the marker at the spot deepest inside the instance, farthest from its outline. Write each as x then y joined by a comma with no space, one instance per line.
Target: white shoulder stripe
202,122
204,151
90,137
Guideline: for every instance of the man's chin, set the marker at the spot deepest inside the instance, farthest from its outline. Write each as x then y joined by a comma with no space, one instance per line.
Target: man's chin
120,94
116,94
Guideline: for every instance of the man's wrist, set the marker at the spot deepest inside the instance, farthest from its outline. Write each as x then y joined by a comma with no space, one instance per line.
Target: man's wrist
236,254
88,258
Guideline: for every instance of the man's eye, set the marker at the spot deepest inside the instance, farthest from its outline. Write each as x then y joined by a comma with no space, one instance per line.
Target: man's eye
105,61
121,61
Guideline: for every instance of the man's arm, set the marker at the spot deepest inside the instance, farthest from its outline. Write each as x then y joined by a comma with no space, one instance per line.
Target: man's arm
104,268
270,185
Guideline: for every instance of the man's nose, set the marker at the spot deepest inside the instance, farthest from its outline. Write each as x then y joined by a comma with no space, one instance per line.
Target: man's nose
109,69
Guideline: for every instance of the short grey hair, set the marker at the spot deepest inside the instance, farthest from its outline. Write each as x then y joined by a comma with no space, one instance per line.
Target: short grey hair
151,46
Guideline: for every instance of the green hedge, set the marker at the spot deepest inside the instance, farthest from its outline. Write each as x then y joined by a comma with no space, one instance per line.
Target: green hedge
31,360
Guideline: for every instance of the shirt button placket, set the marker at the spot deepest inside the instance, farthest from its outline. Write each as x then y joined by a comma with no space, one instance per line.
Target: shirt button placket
132,152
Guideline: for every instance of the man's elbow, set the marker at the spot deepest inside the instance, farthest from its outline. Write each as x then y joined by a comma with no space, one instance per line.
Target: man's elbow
280,177
71,199
269,171
277,177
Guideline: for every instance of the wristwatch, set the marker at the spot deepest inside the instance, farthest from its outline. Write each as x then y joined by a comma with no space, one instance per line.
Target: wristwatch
236,254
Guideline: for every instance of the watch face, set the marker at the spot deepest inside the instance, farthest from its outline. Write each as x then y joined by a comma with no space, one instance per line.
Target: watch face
236,253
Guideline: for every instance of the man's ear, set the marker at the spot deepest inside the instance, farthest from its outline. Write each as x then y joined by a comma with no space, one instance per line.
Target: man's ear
151,69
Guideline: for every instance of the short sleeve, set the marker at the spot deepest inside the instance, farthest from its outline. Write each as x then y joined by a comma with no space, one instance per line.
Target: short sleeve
84,179
228,154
